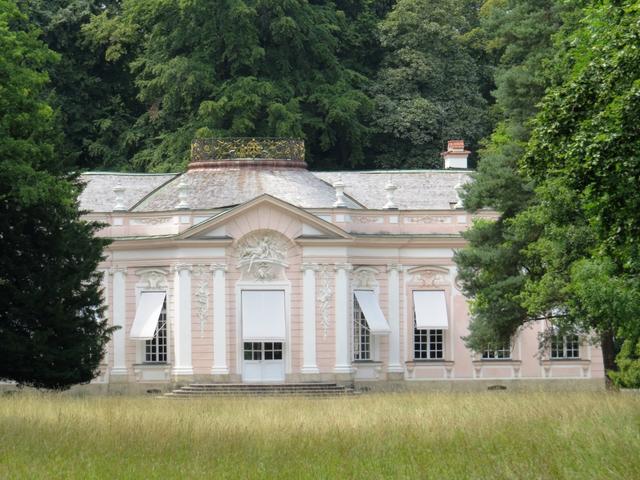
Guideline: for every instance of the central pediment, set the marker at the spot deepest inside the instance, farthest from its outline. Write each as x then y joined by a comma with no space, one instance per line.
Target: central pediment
265,213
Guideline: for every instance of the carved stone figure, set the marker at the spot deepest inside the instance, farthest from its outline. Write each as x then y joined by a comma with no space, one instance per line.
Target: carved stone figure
262,255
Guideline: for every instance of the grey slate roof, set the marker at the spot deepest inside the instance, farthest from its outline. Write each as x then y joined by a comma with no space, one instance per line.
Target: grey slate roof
217,188
98,195
417,189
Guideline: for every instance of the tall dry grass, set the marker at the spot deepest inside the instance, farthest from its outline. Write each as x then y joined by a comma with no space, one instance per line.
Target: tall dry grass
484,436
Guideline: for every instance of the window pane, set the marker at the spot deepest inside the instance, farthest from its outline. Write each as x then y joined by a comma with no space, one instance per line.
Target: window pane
361,334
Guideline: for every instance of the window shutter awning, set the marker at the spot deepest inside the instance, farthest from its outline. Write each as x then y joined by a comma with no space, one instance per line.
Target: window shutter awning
430,309
373,315
147,315
263,315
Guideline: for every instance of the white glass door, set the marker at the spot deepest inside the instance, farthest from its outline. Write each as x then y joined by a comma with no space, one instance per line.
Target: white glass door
263,362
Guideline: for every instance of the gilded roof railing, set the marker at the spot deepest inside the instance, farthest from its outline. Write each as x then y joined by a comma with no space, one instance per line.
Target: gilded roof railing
247,148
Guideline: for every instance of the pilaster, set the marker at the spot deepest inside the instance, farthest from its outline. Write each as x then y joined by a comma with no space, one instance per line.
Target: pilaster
343,360
119,367
182,328
393,272
219,366
309,318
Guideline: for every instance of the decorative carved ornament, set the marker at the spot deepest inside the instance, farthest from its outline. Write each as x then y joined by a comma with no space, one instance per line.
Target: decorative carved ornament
152,278
202,296
262,256
429,277
150,220
366,219
428,219
324,299
364,277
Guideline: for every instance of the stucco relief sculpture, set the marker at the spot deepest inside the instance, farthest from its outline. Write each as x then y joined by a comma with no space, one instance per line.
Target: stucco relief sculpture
324,299
152,279
262,256
202,297
364,277
430,278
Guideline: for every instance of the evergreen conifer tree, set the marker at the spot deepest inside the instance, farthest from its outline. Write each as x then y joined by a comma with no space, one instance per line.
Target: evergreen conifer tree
52,333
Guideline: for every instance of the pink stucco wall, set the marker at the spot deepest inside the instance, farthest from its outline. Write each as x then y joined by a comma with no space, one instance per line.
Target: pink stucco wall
412,253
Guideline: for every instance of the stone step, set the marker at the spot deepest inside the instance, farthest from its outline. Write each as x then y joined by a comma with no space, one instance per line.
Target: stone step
263,385
310,389
255,392
263,395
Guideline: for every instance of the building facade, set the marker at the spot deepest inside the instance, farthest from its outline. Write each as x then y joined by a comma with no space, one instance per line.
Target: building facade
250,268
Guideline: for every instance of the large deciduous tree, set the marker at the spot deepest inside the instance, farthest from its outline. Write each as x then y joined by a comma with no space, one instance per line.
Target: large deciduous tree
583,155
571,236
52,333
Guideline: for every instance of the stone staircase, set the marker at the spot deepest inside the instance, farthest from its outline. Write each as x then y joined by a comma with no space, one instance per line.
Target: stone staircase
317,389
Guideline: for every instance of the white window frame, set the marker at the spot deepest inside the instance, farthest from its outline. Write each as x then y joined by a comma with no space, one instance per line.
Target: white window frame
161,327
565,347
503,352
429,351
361,335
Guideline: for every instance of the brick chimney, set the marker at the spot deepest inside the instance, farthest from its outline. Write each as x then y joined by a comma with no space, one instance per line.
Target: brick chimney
455,156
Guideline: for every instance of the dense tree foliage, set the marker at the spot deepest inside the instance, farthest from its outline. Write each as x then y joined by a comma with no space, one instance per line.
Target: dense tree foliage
365,82
583,155
428,89
51,333
238,68
518,36
95,99
567,249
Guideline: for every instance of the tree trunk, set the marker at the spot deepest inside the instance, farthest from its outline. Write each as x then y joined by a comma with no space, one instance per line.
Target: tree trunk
608,346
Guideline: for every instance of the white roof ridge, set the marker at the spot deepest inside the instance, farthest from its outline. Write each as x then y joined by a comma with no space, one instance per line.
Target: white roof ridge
387,172
136,174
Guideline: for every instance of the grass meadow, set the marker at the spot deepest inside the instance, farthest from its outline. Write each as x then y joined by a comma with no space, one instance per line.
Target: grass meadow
489,435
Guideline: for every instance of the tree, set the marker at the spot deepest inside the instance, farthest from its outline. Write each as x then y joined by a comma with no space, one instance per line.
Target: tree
572,239
583,154
428,89
51,331
243,68
95,99
518,37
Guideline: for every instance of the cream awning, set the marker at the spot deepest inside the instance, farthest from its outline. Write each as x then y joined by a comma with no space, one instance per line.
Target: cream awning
147,315
372,313
263,315
431,310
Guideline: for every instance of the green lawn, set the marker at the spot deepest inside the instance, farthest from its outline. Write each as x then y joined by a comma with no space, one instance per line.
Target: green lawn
485,436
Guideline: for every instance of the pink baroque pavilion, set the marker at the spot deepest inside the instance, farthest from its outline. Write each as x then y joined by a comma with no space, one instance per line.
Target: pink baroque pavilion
250,268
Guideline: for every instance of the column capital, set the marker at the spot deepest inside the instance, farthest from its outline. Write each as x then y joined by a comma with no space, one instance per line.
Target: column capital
178,267
218,266
343,266
395,267
122,270
310,266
